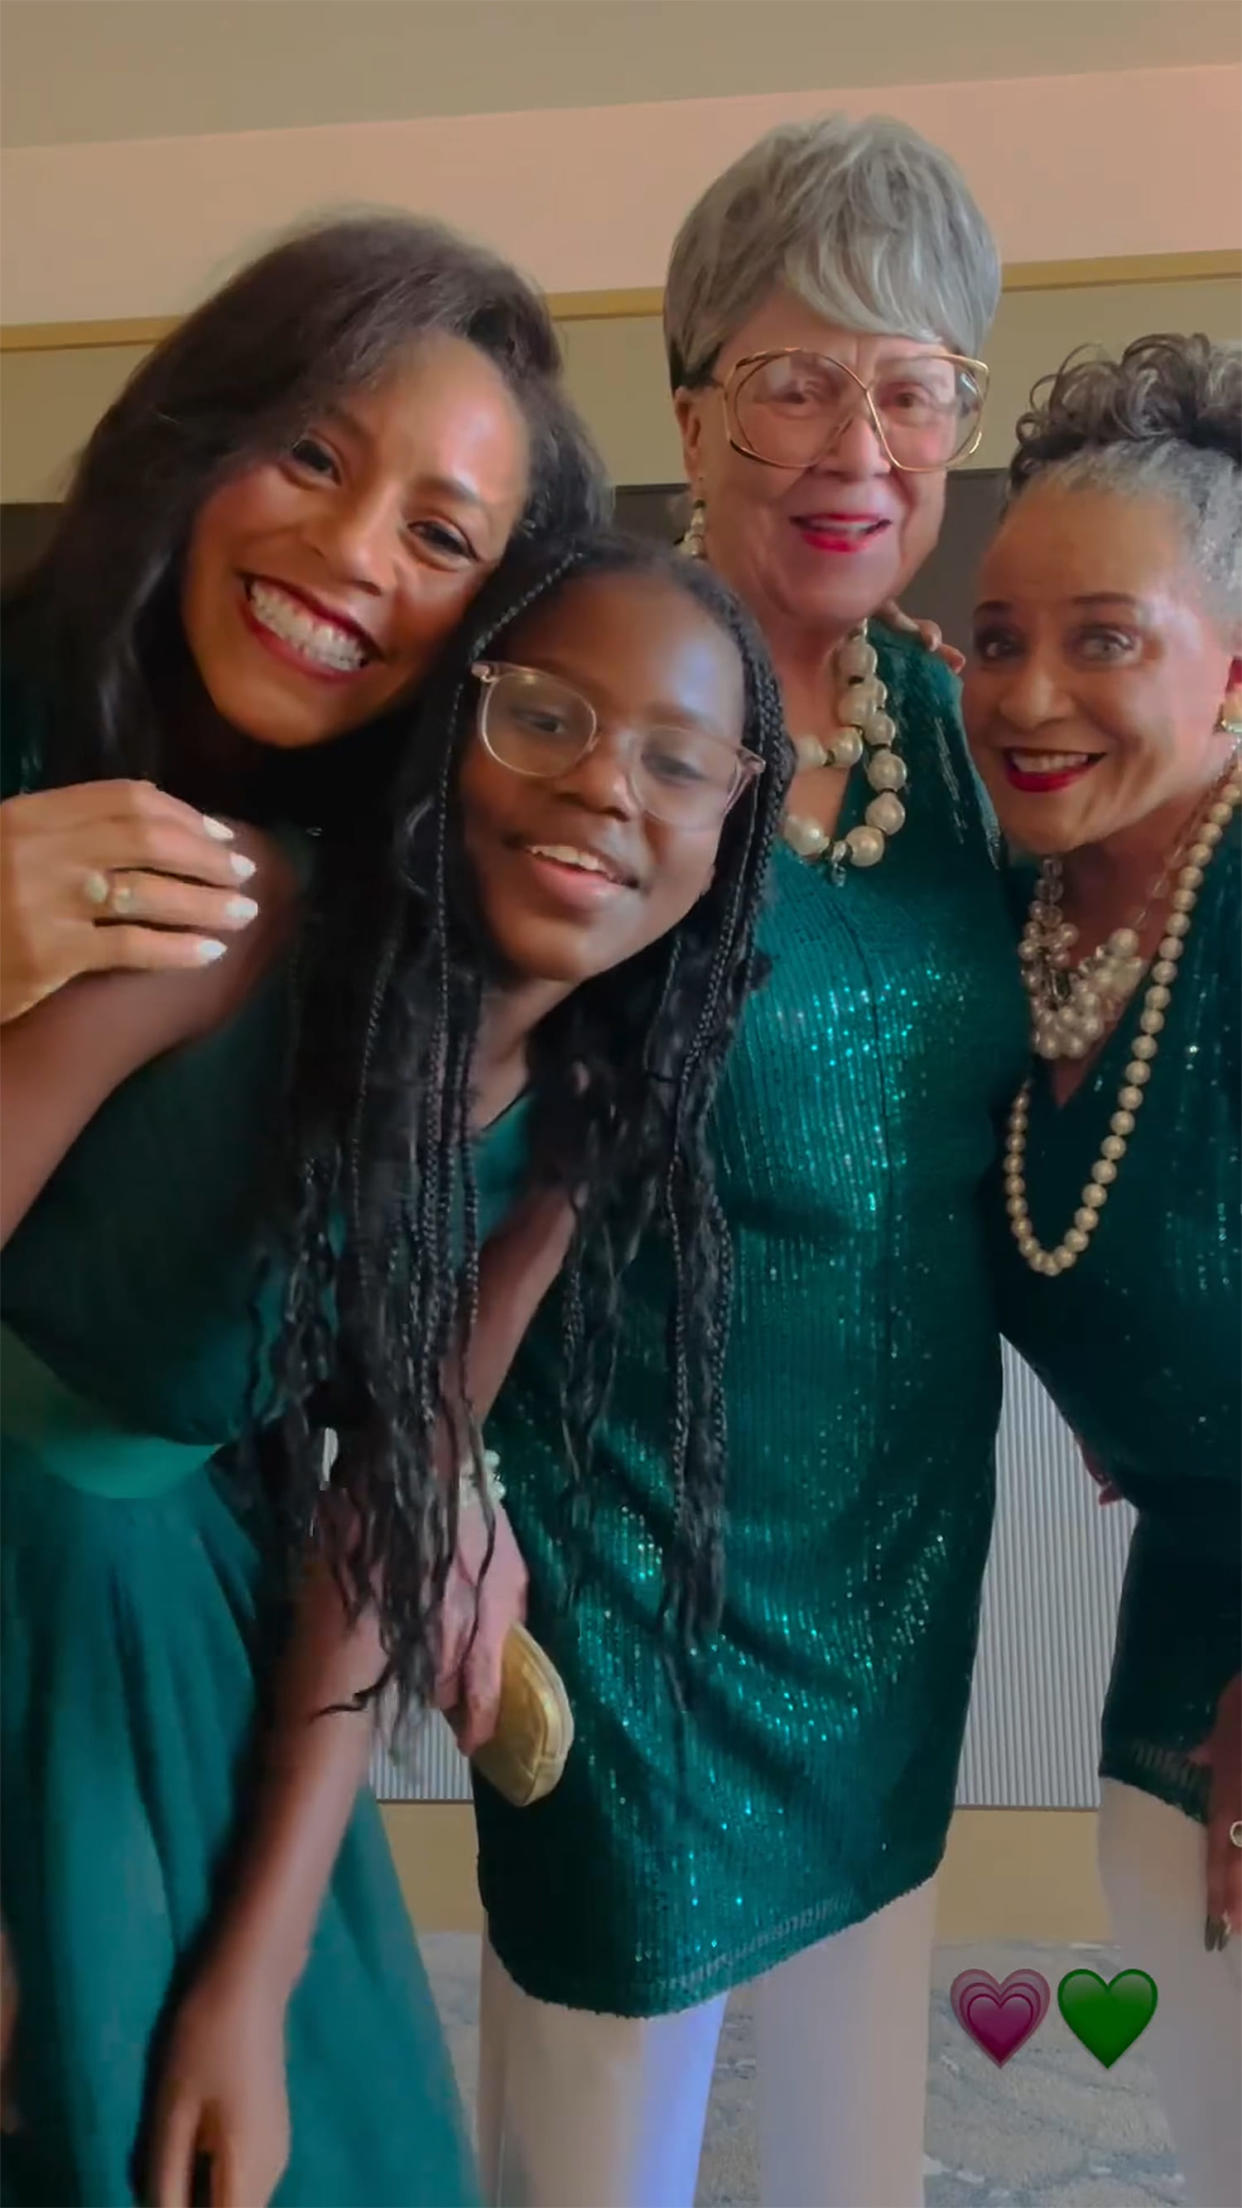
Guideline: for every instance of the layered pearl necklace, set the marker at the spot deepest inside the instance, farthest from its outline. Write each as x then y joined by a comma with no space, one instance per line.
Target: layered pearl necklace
864,727
1070,1011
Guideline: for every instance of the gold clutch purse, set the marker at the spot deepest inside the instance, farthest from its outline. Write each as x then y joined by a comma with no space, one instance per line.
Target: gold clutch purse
534,1733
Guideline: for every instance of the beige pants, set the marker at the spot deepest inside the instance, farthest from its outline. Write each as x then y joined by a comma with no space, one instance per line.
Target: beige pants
584,2111
1151,1863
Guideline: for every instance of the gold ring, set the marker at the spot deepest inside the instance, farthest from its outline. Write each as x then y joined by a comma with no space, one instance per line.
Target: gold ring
122,899
96,888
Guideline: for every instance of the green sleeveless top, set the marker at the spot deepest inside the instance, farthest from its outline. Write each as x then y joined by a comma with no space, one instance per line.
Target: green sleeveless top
813,1780
1140,1344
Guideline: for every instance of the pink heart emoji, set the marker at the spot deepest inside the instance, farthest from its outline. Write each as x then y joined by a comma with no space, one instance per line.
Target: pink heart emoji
1000,2018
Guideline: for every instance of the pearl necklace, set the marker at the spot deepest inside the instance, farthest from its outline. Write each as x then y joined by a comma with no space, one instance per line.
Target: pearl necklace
1072,1006
863,726
1117,957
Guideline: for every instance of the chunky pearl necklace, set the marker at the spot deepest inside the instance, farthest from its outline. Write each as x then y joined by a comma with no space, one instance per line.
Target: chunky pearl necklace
1072,1006
1111,965
864,727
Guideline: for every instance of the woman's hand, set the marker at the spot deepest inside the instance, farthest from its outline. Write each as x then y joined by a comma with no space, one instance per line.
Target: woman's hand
1107,1492
111,874
479,1607
1221,1752
927,632
64,1056
222,2095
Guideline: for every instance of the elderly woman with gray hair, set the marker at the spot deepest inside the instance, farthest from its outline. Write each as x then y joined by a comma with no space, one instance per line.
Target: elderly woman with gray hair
764,1772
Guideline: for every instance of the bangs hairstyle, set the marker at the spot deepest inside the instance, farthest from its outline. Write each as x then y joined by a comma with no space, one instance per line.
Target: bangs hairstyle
622,1076
328,310
865,222
1164,421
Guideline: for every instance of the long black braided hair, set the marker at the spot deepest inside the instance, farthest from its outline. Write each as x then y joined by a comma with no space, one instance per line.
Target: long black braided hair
382,1269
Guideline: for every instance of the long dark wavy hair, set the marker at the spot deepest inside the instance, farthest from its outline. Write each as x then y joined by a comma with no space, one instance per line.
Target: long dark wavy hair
325,311
382,1271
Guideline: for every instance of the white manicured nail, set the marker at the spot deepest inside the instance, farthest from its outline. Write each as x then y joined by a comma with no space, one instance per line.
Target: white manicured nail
241,865
218,830
240,908
208,950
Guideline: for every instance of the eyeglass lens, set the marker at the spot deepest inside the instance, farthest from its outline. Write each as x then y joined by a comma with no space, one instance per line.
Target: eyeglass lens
790,408
540,726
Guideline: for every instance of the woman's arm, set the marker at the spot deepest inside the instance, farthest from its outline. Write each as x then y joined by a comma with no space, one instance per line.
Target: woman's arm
62,1059
223,2088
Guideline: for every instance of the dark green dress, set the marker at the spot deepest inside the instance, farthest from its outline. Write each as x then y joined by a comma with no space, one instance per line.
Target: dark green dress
141,1624
1140,1344
855,1127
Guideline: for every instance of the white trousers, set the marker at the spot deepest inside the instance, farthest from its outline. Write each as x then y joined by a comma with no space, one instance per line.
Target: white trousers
578,2110
1151,1864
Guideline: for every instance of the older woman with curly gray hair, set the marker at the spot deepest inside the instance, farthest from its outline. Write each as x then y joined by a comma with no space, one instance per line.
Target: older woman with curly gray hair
1104,702
769,1658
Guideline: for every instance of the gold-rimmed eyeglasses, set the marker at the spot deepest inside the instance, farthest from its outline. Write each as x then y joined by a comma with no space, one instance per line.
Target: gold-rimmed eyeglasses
789,408
537,725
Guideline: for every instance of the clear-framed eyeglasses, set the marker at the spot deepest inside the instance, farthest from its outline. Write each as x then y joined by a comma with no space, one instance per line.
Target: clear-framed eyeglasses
789,408
537,725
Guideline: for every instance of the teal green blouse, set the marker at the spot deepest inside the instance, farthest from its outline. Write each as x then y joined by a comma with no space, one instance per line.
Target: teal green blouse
1140,1344
813,1779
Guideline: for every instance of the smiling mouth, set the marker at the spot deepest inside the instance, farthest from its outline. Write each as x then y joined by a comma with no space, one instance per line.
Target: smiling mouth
326,644
1047,771
840,532
576,869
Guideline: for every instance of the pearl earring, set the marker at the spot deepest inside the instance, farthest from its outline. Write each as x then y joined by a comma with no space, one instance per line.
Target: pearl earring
694,543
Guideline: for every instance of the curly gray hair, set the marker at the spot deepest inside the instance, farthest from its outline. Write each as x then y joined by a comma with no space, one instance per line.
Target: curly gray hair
1164,421
865,221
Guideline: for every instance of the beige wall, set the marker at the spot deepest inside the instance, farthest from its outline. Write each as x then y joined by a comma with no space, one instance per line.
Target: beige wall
588,199
50,399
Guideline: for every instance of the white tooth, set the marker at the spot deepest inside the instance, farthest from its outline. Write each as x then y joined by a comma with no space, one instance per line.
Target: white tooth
324,641
566,855
1049,762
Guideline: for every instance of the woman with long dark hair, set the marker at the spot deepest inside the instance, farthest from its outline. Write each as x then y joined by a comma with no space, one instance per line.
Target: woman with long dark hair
460,438
547,932
269,536
279,1222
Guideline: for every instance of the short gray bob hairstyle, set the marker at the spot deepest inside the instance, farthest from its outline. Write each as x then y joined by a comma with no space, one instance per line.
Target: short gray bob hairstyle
865,222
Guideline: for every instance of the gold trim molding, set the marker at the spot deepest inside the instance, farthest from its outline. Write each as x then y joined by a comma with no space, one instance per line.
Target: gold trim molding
607,306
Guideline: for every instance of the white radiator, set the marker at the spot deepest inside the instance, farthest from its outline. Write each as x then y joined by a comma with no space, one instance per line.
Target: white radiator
1050,1601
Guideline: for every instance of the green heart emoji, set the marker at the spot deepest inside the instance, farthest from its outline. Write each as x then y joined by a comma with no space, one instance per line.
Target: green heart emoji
1107,2018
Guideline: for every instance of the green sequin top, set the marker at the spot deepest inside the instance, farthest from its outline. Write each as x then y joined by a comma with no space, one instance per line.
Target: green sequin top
1140,1344
856,1123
